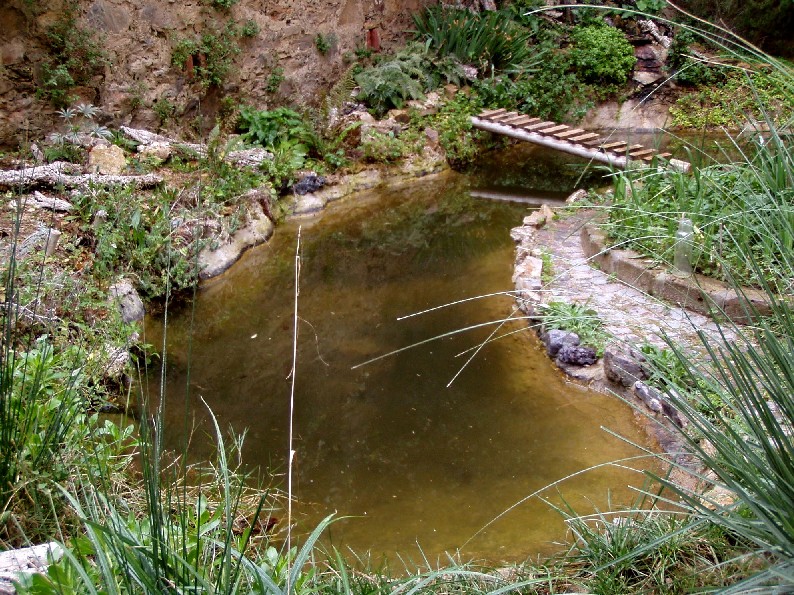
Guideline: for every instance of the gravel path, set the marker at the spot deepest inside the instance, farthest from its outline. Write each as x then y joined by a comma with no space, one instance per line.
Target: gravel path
629,314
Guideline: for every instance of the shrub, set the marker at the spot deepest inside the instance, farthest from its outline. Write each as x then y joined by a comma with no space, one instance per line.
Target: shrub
392,82
601,54
76,55
212,55
381,147
489,40
269,128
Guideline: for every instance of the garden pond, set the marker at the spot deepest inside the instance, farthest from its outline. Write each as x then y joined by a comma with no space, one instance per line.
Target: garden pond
416,466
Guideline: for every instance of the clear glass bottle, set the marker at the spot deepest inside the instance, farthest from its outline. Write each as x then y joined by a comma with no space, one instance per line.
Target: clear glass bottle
684,241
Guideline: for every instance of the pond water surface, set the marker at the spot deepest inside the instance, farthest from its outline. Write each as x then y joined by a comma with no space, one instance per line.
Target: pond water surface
413,462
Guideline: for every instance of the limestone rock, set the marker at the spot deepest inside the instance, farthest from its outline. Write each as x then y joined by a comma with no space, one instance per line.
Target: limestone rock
256,231
129,302
576,196
623,367
647,395
577,355
540,217
109,161
556,339
158,151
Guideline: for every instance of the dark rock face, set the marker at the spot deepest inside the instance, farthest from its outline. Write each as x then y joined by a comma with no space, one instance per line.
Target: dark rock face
308,183
623,367
577,355
556,339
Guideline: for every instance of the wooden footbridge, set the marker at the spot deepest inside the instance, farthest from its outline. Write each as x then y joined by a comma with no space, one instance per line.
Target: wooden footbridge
571,140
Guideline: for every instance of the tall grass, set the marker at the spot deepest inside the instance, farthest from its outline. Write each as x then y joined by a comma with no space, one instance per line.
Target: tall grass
738,396
39,405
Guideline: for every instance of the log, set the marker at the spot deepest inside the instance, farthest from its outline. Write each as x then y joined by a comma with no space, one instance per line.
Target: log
29,560
39,201
57,174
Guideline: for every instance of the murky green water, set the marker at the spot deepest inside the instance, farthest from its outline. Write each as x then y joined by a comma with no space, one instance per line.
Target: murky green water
411,460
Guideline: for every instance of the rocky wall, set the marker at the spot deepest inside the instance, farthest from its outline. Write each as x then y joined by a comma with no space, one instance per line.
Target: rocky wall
140,87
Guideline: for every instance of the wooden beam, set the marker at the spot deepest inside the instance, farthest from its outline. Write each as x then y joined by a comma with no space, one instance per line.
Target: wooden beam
590,136
548,141
611,146
505,116
492,112
539,126
557,128
538,134
519,120
642,153
650,158
627,149
568,133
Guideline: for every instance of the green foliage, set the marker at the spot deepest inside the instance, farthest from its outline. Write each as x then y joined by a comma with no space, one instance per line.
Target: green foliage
460,141
133,235
270,128
392,82
164,109
75,56
602,54
640,551
738,210
555,91
223,4
212,55
249,29
576,318
687,70
322,43
489,40
380,147
404,76
759,95
274,80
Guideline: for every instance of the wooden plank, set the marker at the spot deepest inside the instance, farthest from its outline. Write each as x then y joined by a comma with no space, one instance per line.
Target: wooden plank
567,133
642,153
611,146
627,149
539,126
492,112
506,116
557,128
520,121
650,158
590,136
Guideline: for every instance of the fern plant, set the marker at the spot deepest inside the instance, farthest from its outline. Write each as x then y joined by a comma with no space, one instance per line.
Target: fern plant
391,83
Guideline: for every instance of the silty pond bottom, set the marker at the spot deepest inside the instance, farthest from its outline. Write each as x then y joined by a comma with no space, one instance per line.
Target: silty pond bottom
419,466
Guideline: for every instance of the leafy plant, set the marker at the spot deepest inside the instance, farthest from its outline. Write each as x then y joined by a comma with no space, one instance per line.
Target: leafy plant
250,28
76,55
322,43
602,54
381,147
576,318
271,127
461,142
223,4
274,79
211,55
392,82
490,40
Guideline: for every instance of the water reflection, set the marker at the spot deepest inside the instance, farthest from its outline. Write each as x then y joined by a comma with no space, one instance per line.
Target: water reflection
389,443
